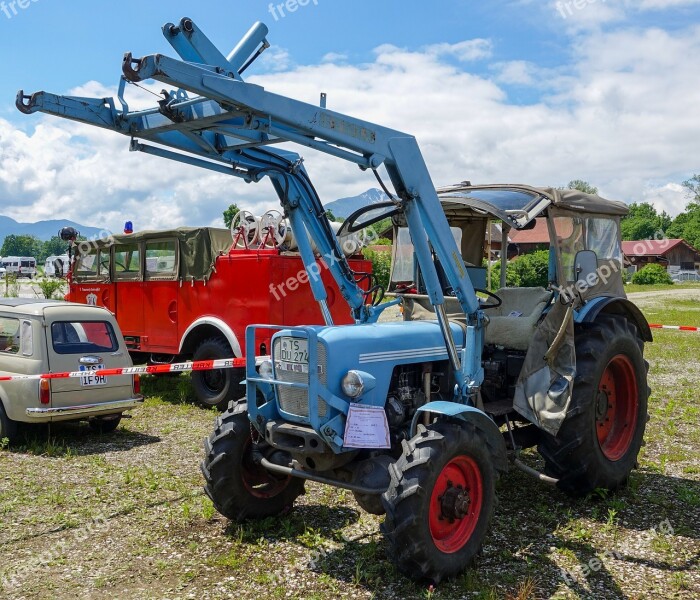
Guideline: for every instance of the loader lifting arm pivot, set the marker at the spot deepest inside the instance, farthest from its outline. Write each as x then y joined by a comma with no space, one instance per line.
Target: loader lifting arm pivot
215,120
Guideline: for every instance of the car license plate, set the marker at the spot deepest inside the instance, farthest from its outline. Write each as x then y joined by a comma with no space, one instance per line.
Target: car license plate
90,375
294,350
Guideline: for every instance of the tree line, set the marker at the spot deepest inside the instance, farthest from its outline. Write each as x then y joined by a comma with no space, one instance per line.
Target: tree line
30,245
644,222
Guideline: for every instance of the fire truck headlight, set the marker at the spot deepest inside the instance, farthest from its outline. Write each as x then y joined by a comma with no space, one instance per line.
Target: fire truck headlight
265,369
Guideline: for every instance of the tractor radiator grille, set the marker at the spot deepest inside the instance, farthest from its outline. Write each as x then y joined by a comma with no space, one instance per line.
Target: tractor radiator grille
295,401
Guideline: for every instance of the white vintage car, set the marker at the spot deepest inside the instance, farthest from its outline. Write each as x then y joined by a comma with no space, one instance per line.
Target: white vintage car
48,336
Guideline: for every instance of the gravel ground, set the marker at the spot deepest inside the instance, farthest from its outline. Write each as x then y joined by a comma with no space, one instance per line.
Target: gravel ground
123,516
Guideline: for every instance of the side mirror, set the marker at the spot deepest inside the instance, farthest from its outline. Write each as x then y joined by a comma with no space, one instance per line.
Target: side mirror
586,269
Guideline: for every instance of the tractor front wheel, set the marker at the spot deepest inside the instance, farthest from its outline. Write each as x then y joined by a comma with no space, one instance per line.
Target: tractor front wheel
240,487
440,501
598,442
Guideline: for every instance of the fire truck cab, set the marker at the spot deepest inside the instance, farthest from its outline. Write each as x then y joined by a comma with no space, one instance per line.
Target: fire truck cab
190,293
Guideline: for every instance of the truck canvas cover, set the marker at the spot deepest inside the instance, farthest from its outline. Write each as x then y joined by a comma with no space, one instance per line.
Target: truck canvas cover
198,247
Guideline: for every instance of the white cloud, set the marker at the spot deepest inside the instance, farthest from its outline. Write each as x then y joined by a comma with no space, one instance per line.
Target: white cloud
334,57
622,115
465,51
672,197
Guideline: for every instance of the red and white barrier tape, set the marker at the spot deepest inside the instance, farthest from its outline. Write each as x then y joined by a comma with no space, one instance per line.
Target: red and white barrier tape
199,365
676,327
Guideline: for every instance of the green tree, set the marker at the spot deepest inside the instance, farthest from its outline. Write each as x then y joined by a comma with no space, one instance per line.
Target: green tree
381,265
582,186
652,274
53,247
643,222
528,270
693,187
330,216
230,214
687,224
21,245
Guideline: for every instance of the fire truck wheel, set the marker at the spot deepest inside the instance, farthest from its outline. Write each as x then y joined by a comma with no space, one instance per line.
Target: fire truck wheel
236,483
215,388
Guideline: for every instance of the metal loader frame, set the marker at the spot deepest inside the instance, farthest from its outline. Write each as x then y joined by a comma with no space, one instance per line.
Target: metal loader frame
216,121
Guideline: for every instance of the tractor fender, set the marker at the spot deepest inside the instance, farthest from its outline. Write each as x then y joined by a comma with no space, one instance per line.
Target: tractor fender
616,306
469,414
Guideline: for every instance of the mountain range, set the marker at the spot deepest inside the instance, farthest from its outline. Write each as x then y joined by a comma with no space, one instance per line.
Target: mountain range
44,230
346,206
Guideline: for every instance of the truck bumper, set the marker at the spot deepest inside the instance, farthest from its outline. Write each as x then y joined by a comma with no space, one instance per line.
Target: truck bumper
82,411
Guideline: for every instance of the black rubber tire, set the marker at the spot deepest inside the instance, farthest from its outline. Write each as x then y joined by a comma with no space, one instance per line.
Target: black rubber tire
407,501
105,424
228,467
575,455
8,427
218,387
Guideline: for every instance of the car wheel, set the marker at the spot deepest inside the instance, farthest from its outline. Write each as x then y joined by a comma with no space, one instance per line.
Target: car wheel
105,424
8,427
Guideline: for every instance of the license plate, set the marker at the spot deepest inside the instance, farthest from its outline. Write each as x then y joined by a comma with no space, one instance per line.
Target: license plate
90,375
294,350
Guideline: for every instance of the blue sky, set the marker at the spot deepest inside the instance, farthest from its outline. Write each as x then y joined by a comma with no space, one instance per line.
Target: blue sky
534,90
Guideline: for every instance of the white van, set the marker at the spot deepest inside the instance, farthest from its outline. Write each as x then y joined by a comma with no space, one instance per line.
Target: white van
22,266
56,265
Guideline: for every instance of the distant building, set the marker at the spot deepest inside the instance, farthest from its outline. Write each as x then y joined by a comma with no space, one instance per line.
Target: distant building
524,241
675,255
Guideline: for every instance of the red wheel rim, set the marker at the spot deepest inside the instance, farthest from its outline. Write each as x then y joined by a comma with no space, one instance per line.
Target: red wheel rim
455,504
617,407
259,482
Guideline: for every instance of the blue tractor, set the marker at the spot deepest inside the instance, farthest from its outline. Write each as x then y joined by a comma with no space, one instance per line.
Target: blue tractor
417,417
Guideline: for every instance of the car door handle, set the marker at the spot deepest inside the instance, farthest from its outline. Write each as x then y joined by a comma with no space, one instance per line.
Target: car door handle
119,353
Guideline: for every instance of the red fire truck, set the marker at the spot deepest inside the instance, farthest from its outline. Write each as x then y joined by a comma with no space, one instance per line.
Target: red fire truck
190,293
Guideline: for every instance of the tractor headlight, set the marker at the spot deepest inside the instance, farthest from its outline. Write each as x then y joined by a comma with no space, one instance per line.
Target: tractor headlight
353,385
265,369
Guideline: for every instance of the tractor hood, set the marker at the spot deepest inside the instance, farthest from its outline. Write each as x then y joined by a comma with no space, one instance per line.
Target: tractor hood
402,341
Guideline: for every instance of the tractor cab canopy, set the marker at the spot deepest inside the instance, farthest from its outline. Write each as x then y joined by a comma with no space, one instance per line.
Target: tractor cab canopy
184,253
575,221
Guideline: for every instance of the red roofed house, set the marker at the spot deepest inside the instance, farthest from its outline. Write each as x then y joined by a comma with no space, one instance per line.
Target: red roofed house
524,241
674,255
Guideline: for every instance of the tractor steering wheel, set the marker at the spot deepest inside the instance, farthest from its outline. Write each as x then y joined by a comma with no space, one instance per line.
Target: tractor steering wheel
498,299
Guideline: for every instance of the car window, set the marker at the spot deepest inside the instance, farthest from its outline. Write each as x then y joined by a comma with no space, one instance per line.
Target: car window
81,337
127,261
9,335
27,336
161,259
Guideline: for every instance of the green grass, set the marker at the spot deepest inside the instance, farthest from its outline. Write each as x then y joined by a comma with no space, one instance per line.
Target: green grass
686,285
685,311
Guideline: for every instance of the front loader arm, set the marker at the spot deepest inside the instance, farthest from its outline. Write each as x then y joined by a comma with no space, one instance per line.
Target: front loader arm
217,121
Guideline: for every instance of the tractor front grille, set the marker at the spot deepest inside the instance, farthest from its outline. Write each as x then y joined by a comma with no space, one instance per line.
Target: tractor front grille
293,400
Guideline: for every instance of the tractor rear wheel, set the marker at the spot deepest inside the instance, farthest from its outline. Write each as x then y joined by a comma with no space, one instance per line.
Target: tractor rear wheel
598,443
239,487
440,501
217,387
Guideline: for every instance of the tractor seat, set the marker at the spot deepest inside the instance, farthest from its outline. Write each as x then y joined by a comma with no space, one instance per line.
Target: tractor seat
511,325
